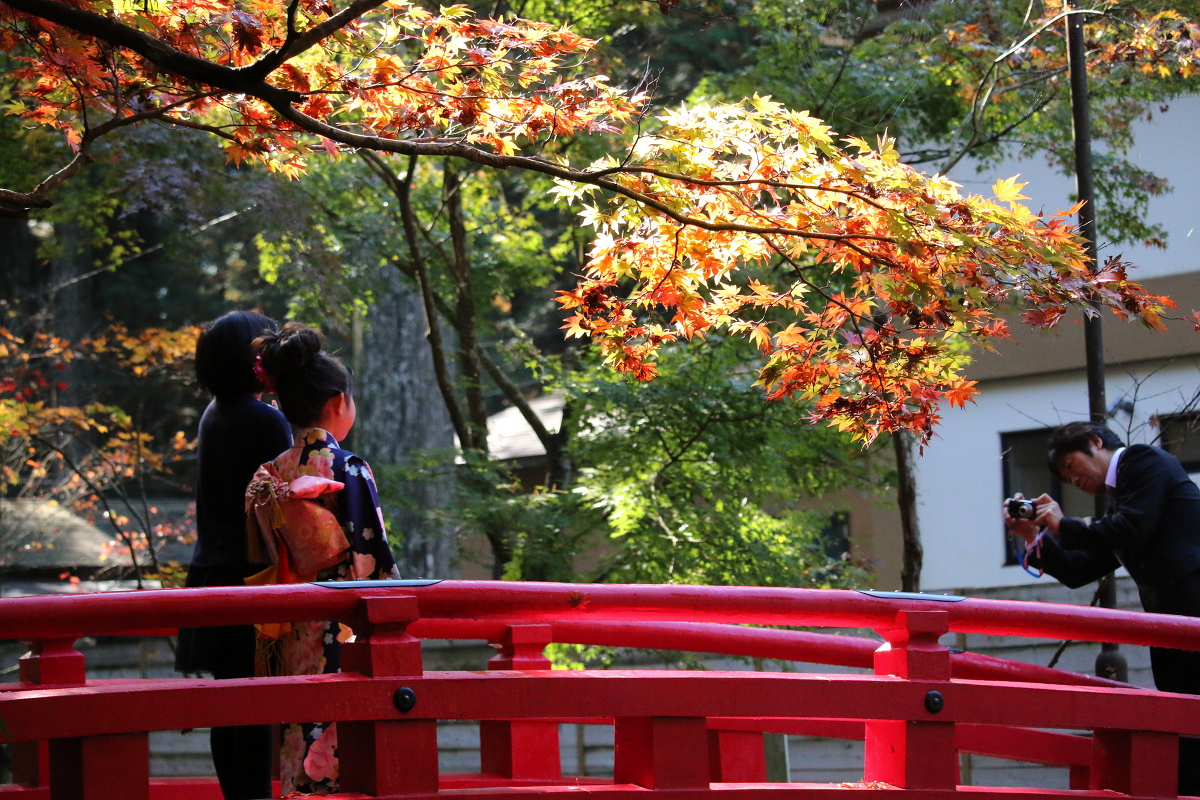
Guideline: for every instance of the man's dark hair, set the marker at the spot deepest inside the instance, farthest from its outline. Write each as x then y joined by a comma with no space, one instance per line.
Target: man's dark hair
1076,437
224,359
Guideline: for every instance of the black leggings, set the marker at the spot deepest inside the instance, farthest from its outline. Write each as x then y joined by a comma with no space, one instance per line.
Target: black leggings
242,755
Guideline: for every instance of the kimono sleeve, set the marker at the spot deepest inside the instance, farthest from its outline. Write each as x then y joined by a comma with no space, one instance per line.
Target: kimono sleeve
362,520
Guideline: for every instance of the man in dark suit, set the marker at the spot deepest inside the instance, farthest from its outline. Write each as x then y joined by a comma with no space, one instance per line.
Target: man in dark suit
1152,528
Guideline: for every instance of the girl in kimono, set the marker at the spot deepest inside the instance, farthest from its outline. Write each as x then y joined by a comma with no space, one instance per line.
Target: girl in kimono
312,514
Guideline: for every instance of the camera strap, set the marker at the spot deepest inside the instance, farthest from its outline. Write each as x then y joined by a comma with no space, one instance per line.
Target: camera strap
1034,547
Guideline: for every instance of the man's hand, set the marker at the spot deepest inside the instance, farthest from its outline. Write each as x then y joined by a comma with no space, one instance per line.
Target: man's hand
1048,512
1027,529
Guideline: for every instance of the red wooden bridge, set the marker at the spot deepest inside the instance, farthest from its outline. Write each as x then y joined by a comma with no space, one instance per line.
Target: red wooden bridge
689,735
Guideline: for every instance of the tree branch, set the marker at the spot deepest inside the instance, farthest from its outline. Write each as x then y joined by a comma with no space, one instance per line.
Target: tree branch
99,495
197,126
23,201
297,43
249,81
550,441
154,50
499,161
513,395
402,190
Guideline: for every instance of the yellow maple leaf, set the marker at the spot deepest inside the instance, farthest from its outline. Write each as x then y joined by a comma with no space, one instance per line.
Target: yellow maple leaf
1007,190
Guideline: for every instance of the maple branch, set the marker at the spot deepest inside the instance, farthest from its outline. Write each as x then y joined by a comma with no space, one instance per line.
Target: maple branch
249,81
154,50
498,161
988,77
997,136
675,176
12,202
1045,26
297,43
197,126
99,495
851,315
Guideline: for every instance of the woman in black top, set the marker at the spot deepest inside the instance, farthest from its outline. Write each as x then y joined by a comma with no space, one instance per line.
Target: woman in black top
238,432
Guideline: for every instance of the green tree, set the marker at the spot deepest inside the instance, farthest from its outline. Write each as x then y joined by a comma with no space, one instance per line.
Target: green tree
701,481
952,81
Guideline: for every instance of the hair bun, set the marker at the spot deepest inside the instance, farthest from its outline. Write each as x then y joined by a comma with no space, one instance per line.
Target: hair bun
289,350
305,379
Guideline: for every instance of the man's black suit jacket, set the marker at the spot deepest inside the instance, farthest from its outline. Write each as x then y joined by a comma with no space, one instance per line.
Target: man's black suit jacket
1152,528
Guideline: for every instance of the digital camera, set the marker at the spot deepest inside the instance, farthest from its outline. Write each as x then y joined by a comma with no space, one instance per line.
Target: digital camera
1021,509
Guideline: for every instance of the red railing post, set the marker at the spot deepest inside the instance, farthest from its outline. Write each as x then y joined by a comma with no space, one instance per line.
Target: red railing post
111,767
736,757
394,756
52,661
662,752
920,753
48,662
1143,763
520,748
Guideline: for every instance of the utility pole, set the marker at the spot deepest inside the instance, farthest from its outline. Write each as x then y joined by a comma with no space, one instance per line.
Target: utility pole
1110,663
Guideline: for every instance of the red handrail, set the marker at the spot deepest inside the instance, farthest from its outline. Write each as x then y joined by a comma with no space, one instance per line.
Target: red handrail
674,729
732,640
61,616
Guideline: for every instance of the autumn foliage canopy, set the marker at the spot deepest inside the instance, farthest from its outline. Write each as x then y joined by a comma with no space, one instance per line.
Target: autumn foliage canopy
858,277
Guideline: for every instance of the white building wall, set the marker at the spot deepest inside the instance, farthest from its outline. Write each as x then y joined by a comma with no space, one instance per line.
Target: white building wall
960,477
1166,146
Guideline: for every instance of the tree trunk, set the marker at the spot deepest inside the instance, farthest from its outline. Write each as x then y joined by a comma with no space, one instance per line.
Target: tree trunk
400,411
21,279
906,497
464,309
71,298
560,470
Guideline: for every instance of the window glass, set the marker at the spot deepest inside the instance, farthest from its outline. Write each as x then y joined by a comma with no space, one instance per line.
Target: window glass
835,538
1023,456
1180,436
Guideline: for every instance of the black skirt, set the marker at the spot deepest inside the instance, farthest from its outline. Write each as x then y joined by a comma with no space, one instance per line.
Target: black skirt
226,651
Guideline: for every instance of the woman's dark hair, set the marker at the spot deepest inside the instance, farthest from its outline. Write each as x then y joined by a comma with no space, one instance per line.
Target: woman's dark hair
224,359
305,378
1076,437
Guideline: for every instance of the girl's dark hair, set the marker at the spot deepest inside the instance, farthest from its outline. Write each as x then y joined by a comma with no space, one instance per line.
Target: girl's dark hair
224,359
305,378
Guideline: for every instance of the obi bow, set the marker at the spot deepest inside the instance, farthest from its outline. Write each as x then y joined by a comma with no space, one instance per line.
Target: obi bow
289,528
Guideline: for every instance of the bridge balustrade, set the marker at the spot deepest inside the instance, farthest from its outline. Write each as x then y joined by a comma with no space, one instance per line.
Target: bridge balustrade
685,733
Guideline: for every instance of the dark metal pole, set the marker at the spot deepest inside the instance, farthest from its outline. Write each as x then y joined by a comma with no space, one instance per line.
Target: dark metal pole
1110,663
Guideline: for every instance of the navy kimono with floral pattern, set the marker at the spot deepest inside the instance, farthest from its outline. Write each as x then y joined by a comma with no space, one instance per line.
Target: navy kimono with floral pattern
308,763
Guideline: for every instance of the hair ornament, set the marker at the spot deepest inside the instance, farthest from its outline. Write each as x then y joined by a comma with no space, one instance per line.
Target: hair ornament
263,376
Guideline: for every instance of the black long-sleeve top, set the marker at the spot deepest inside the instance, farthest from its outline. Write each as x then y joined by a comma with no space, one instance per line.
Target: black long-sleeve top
237,434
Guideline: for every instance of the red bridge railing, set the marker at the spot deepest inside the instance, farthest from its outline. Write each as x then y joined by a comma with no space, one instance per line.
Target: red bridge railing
685,733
